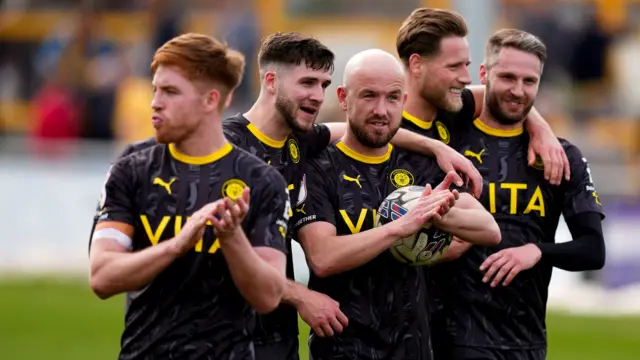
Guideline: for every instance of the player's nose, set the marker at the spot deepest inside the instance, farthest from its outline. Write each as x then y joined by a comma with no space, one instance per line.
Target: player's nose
380,109
465,76
155,104
317,95
517,90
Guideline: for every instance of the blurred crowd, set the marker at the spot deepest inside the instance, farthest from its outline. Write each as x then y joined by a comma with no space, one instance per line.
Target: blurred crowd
80,68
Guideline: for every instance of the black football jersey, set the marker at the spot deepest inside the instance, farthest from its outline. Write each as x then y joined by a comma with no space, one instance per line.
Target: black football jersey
192,309
443,128
527,209
384,299
288,157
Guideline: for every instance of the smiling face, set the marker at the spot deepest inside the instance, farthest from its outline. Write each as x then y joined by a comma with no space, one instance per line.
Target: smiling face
446,74
512,80
373,98
300,91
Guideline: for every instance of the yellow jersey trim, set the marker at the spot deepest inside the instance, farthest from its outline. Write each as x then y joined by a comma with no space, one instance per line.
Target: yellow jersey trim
426,125
265,139
200,160
364,158
497,132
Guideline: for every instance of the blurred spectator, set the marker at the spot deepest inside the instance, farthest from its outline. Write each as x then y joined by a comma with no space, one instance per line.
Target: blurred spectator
56,113
239,28
103,72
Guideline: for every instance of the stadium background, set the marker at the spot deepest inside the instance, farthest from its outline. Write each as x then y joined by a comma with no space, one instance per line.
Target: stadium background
74,88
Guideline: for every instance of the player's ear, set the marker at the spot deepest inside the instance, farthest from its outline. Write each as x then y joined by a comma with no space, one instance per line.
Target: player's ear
212,99
342,97
483,74
270,81
415,64
404,98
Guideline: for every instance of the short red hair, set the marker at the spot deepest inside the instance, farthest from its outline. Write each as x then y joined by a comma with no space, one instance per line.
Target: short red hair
202,57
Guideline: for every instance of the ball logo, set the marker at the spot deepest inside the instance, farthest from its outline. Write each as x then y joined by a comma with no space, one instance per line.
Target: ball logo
443,132
397,211
401,178
233,188
294,150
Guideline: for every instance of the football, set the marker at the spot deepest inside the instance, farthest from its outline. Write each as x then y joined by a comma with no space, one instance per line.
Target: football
420,249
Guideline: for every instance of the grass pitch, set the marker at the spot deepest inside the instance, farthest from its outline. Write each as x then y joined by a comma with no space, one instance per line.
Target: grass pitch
53,318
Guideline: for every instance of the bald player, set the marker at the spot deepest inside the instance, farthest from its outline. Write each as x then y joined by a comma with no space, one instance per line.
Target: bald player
345,184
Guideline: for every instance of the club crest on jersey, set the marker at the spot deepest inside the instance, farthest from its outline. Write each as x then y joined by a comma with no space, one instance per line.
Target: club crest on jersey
294,150
232,188
443,132
397,211
401,178
538,164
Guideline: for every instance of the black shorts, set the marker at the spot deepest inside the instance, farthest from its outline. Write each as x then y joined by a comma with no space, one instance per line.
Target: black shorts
285,349
478,353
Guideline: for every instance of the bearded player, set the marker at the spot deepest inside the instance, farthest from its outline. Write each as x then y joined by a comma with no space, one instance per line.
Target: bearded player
495,303
384,300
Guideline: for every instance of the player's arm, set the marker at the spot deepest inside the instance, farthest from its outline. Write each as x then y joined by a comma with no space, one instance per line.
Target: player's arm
328,253
448,158
471,222
583,214
114,267
255,252
543,141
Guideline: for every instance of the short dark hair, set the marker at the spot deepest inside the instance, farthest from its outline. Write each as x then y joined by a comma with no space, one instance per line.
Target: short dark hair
515,39
423,30
291,48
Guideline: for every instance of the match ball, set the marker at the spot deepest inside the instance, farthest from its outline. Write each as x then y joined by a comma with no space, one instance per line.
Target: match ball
420,249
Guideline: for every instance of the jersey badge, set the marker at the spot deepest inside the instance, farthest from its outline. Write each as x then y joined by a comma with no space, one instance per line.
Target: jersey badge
401,178
294,150
232,188
443,132
538,164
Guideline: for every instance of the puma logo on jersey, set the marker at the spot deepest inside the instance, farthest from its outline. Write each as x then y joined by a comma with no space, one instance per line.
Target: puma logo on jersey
595,196
355,180
301,210
477,156
165,185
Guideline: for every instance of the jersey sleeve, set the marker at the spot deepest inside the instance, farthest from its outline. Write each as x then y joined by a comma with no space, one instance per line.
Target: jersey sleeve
270,210
316,194
581,195
317,139
117,195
